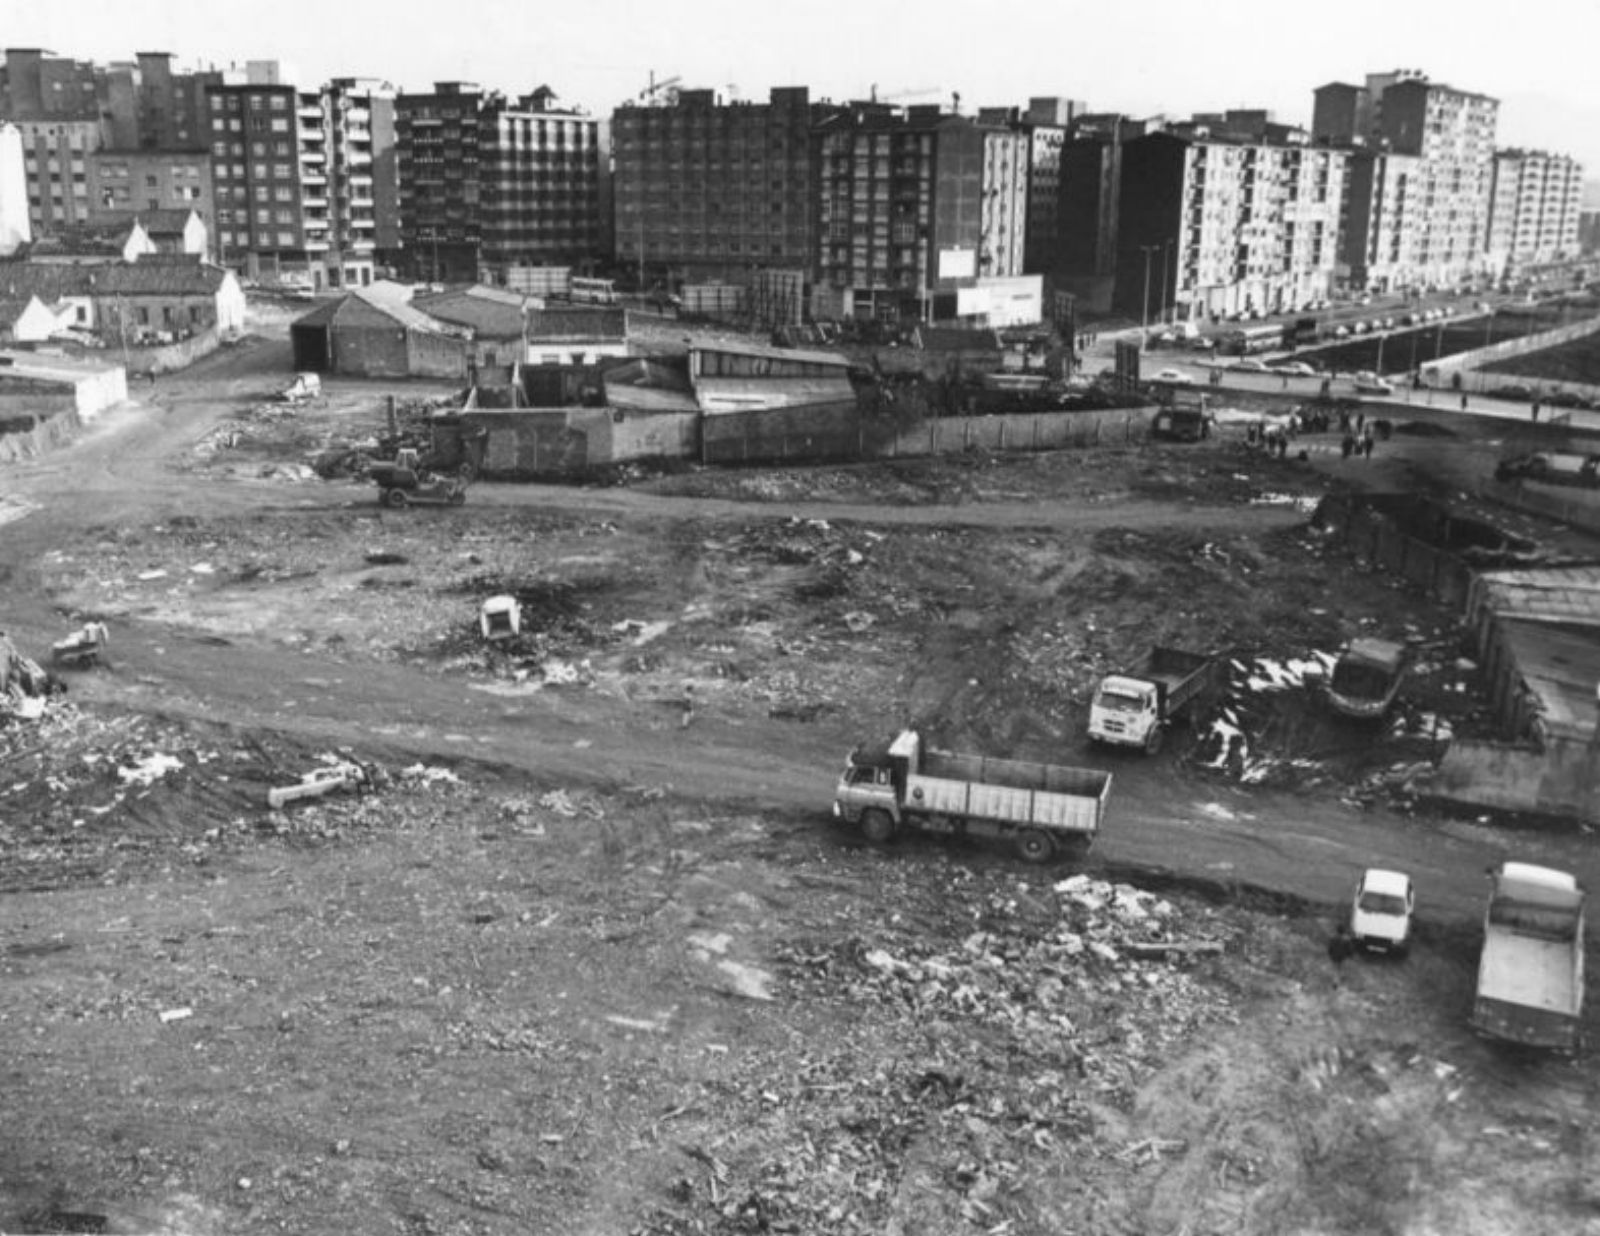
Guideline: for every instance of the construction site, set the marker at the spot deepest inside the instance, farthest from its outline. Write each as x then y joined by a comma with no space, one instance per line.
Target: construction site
466,863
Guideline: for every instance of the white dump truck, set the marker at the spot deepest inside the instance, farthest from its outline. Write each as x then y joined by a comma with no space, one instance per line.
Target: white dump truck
1043,809
1530,973
1133,708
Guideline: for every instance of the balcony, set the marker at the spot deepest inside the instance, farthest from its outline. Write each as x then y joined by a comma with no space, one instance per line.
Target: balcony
313,156
312,201
309,111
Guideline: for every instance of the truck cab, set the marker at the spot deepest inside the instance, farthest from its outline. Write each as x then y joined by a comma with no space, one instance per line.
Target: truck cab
872,784
1125,711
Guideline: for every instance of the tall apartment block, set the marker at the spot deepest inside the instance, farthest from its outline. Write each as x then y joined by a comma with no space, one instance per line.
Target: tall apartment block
1211,226
71,112
1046,121
1533,218
1446,192
487,183
913,205
294,176
707,191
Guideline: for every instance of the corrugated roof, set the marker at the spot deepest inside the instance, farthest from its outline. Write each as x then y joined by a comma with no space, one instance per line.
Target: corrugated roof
719,395
601,324
51,281
764,352
1561,664
1564,594
491,312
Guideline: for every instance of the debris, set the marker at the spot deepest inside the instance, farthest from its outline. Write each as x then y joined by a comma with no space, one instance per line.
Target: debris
150,770
1163,948
500,618
177,1014
319,782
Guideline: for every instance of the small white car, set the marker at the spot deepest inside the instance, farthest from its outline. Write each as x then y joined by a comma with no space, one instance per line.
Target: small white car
1380,913
1295,369
1247,365
1176,377
1369,383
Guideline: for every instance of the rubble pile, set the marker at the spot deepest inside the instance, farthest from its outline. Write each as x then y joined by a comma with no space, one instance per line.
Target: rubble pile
25,685
997,1049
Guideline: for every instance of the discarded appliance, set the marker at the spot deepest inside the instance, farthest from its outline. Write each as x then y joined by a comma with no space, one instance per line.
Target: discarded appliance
320,782
500,618
306,386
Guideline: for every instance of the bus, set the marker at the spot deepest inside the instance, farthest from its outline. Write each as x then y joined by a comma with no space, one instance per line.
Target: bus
1248,339
591,291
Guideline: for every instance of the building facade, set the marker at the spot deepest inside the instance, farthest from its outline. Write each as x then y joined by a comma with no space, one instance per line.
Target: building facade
1534,212
487,183
295,173
710,191
127,181
1450,133
1211,227
55,157
914,204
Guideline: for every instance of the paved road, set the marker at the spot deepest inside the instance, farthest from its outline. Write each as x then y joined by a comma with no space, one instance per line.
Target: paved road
1160,820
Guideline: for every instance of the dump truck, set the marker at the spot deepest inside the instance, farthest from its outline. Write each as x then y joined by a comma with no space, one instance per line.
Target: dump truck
1530,972
1134,708
1042,809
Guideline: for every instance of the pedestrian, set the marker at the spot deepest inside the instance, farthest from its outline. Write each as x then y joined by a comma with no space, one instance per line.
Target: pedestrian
1463,401
1366,444
1285,381
1361,423
1347,444
688,705
1535,410
1340,948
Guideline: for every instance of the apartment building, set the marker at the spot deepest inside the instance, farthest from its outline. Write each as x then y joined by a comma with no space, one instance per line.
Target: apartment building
55,158
1209,227
1450,134
487,182
1534,212
128,181
38,85
1380,227
706,190
914,204
294,174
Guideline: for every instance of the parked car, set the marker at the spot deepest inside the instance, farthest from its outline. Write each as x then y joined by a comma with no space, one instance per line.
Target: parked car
1295,369
1175,376
1382,910
1369,383
1248,364
1522,394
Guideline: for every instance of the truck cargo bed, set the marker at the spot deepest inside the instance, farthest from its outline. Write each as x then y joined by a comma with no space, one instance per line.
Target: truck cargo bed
1530,972
1049,796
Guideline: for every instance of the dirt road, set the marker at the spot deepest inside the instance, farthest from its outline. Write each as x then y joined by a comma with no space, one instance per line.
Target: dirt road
120,474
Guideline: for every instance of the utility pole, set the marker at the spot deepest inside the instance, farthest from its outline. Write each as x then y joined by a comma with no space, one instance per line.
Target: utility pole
1166,253
1144,322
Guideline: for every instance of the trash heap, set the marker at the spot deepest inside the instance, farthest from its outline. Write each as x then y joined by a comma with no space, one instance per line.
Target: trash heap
962,1068
25,685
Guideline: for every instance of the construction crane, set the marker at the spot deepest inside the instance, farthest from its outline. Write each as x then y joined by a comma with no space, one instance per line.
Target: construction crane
660,94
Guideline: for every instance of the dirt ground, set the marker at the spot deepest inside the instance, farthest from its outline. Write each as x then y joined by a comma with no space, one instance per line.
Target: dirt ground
586,955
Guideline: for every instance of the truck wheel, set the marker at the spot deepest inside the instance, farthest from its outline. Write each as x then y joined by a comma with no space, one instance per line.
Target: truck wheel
459,497
1152,744
398,498
877,826
1034,846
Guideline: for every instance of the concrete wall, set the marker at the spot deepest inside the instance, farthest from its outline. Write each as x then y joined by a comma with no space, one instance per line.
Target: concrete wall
1377,538
33,424
845,433
369,352
1466,362
435,356
1561,778
174,356
568,441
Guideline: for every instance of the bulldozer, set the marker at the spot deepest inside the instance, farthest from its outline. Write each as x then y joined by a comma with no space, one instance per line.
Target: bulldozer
405,482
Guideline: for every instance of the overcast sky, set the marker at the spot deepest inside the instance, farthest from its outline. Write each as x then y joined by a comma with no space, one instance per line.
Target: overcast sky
1141,57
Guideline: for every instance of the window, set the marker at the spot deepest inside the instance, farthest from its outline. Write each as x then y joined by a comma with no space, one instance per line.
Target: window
258,149
278,103
286,239
142,316
233,125
283,193
282,171
263,216
150,182
279,125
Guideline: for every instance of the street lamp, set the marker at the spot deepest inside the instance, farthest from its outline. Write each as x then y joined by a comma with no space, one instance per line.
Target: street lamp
1166,254
1144,322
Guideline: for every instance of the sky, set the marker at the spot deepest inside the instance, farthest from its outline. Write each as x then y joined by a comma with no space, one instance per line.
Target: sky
1143,57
